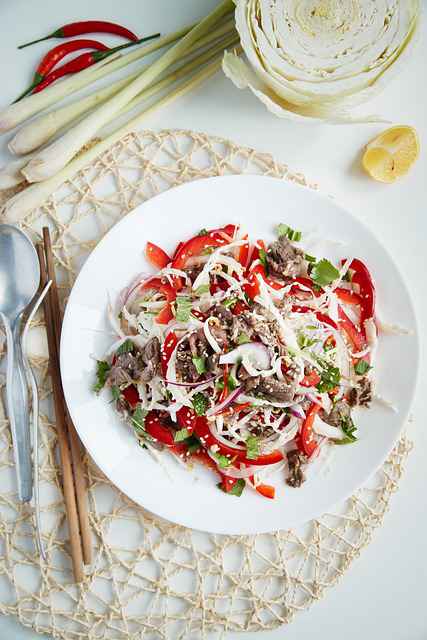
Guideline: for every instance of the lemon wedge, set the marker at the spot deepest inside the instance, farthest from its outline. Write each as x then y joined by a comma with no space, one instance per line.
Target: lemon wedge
391,154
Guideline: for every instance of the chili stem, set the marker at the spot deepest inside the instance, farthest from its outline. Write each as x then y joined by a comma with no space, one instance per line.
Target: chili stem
28,44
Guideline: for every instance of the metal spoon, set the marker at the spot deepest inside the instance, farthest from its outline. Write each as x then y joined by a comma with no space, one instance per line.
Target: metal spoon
19,281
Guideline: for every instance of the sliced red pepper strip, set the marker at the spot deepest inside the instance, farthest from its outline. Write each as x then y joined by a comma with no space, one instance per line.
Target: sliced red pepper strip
157,430
306,441
307,282
251,288
311,379
166,351
208,440
347,296
239,308
165,315
244,253
322,317
355,335
131,395
266,490
196,245
362,277
199,315
156,255
186,419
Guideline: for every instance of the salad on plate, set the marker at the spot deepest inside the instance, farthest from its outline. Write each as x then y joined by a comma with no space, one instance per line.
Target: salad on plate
241,356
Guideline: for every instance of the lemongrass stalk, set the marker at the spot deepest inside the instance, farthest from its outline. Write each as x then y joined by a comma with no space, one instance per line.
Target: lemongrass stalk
41,130
54,157
32,197
172,77
10,174
20,111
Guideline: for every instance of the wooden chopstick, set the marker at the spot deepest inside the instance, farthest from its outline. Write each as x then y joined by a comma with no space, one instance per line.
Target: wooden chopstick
67,471
76,452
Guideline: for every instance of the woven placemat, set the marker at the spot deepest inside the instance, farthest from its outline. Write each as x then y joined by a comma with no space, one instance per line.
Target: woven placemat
152,579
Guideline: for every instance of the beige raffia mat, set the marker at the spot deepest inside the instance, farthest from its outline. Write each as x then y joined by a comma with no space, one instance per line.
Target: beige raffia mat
151,579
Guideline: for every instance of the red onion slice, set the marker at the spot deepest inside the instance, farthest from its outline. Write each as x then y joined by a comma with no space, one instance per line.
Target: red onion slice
225,403
189,384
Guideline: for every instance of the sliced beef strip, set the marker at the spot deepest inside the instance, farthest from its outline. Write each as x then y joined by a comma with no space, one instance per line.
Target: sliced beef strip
194,346
223,314
362,394
270,388
123,370
283,259
296,460
212,364
150,359
340,411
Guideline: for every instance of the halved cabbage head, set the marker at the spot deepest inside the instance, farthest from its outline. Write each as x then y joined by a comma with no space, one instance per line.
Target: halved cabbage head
317,58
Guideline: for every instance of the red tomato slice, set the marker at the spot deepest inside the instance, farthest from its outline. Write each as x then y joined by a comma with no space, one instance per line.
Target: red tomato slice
166,351
306,440
156,255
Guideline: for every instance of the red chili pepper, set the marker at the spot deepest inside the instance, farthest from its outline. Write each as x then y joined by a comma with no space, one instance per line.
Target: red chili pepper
166,351
83,62
306,441
88,26
156,255
131,395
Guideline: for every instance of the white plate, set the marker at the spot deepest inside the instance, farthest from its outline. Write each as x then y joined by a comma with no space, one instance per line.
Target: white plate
192,499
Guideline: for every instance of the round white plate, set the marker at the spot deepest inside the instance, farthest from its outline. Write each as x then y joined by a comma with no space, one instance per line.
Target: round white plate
192,498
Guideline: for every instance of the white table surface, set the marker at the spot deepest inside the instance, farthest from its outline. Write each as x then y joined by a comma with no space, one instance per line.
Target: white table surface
384,594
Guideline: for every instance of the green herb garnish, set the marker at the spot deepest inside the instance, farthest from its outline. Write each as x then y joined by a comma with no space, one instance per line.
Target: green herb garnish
230,302
183,309
102,369
200,403
126,347
223,461
203,232
207,251
181,435
291,234
115,392
200,364
138,418
349,428
193,444
243,338
204,288
309,258
263,259
236,489
323,273
362,367
252,447
304,341
329,378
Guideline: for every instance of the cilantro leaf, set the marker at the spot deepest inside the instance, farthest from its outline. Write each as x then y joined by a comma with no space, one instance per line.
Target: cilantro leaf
181,435
349,428
115,392
200,403
243,338
230,302
304,341
200,364
223,461
362,367
263,259
252,447
323,273
204,288
102,369
193,444
138,418
291,234
183,309
309,258
236,489
203,232
329,377
126,347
